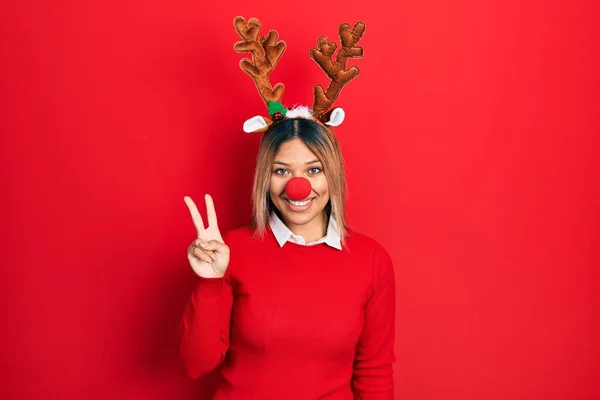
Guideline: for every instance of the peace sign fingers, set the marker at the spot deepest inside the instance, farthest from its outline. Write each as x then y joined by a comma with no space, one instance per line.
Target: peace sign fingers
208,254
196,217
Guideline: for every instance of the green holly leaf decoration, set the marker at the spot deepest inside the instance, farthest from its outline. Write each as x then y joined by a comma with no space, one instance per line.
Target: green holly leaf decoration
276,107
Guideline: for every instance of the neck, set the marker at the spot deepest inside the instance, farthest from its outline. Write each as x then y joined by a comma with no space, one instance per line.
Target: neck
311,231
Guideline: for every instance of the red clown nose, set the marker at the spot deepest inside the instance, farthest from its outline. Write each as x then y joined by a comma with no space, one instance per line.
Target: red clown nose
298,188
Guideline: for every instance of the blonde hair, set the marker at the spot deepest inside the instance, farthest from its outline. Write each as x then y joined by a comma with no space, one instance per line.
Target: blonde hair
325,146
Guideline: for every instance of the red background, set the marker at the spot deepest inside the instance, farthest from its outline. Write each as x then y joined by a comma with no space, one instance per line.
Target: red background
471,141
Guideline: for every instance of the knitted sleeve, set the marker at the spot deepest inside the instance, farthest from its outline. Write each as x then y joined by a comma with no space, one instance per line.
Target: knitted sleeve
204,329
373,375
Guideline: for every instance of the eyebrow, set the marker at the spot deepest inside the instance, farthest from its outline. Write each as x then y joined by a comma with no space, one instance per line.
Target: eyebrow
287,165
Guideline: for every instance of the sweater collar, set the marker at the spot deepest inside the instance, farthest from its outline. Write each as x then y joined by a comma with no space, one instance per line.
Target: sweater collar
283,234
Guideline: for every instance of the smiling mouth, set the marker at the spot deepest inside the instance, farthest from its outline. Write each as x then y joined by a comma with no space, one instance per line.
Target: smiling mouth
299,203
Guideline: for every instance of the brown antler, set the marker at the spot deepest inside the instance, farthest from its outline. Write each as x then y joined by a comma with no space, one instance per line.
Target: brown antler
266,52
337,71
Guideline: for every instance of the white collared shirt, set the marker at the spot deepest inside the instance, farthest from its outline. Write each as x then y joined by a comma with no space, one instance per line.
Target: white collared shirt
283,234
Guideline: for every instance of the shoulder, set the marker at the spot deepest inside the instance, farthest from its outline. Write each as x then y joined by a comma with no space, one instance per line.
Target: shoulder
242,236
242,233
361,242
358,243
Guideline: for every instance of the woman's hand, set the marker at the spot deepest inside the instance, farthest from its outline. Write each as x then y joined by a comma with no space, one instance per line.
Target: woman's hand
208,255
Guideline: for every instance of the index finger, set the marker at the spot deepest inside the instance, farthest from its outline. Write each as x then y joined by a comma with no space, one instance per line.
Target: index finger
196,217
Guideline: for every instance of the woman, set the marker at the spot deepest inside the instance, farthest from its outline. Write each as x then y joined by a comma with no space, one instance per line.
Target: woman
297,306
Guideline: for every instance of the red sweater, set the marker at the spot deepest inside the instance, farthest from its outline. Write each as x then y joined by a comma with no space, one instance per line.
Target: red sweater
295,322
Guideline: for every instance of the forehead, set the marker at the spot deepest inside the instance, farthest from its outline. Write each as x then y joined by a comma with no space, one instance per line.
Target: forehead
295,151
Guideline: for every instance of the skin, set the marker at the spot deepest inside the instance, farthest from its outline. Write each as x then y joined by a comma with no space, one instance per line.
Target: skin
208,255
295,159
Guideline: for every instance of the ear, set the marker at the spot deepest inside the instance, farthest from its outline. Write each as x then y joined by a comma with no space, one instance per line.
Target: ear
257,124
335,117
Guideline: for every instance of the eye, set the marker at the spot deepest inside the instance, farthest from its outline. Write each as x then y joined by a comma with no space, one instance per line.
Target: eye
314,170
280,171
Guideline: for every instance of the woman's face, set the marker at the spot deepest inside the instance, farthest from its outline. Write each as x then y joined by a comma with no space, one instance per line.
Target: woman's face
295,159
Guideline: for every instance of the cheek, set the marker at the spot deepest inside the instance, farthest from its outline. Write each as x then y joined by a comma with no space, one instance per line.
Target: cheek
276,186
320,185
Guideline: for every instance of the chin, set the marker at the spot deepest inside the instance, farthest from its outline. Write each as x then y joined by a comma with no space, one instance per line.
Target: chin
299,219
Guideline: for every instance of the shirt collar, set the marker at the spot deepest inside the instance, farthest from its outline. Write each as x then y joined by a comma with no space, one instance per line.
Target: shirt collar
284,235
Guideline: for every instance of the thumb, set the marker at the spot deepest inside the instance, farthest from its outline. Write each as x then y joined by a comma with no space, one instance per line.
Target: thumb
214,245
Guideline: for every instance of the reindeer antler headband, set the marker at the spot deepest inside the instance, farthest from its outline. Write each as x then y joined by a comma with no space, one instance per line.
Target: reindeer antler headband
266,52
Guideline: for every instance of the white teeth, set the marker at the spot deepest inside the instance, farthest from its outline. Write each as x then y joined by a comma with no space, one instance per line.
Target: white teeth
299,203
